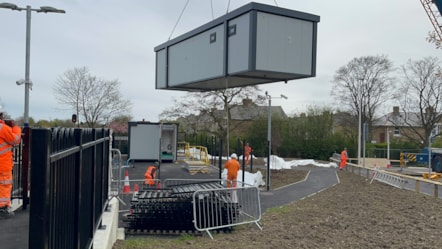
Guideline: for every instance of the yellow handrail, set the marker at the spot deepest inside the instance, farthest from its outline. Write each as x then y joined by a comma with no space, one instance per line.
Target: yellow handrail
198,153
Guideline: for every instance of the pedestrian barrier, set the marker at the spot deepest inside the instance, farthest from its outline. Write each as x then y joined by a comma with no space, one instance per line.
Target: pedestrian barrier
418,181
187,205
173,182
116,174
222,208
389,179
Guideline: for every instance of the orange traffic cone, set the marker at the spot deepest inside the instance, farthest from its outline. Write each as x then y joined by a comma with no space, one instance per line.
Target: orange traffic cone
126,187
136,189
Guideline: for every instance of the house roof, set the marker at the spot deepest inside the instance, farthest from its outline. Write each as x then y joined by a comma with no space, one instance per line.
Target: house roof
245,112
251,112
397,118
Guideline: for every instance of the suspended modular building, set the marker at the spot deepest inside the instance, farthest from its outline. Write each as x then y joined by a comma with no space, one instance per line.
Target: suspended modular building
254,44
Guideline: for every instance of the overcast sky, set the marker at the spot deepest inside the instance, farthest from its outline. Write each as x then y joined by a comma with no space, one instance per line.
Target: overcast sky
116,40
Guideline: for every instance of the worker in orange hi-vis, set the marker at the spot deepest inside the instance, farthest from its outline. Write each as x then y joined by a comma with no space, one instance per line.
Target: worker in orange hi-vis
150,175
344,158
247,152
10,135
232,166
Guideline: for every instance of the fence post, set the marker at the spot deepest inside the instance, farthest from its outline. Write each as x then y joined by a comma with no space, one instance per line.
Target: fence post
39,213
220,161
26,140
243,161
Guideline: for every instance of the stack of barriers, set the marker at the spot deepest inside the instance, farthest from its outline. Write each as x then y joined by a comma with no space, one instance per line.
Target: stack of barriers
189,205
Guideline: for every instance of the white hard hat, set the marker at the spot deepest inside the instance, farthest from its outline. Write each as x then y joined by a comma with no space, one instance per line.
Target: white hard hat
233,155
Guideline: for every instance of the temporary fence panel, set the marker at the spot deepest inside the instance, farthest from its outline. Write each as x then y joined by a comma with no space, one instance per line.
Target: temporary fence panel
193,205
418,184
172,182
395,181
222,208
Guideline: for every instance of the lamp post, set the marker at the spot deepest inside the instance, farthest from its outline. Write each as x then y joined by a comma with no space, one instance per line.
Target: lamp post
27,82
388,146
269,135
361,97
359,131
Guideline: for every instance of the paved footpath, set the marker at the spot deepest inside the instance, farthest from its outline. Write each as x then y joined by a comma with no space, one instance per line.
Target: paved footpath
318,179
15,231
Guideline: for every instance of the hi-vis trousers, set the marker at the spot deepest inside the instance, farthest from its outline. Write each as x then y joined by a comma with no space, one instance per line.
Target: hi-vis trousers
5,189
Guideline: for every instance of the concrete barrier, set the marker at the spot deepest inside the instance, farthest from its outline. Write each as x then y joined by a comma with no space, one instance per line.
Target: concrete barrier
371,162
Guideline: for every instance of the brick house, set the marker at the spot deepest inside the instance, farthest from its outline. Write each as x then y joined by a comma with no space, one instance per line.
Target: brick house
400,125
242,117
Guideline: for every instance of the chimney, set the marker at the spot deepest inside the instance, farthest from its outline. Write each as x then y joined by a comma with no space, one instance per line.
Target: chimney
396,110
247,102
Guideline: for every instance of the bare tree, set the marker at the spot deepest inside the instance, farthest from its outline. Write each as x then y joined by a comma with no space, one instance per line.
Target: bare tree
96,100
203,110
362,86
420,96
434,38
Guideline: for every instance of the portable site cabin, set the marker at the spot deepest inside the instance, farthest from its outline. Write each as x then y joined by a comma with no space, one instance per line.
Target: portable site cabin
153,141
254,44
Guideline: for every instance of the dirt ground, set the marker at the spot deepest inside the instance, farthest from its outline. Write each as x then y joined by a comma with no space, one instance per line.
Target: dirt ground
352,214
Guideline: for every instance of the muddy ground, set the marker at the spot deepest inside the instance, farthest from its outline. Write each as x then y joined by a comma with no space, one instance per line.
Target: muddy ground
352,214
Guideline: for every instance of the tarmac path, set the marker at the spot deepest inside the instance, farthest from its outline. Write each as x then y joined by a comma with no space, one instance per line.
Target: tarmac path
318,179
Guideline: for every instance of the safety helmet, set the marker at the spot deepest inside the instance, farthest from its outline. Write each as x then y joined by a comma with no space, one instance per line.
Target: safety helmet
233,155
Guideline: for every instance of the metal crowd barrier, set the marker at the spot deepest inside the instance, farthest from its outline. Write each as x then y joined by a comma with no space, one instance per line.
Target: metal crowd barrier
222,208
418,184
200,204
392,180
172,182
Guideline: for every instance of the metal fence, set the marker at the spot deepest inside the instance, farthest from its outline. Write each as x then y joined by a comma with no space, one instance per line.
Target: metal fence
222,208
418,184
70,185
21,171
200,204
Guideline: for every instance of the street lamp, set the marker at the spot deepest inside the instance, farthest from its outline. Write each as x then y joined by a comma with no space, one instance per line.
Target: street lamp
27,82
361,96
359,132
388,146
269,135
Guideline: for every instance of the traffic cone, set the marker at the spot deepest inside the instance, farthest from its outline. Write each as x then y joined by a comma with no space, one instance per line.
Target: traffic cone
136,189
126,187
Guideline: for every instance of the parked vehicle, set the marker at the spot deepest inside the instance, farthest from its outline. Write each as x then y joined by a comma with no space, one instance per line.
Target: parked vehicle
422,158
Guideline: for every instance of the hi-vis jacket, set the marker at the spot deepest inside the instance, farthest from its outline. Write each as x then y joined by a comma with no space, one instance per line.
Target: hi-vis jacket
9,136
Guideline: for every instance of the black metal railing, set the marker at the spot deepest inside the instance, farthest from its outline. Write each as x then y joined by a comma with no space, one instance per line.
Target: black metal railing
70,182
21,170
